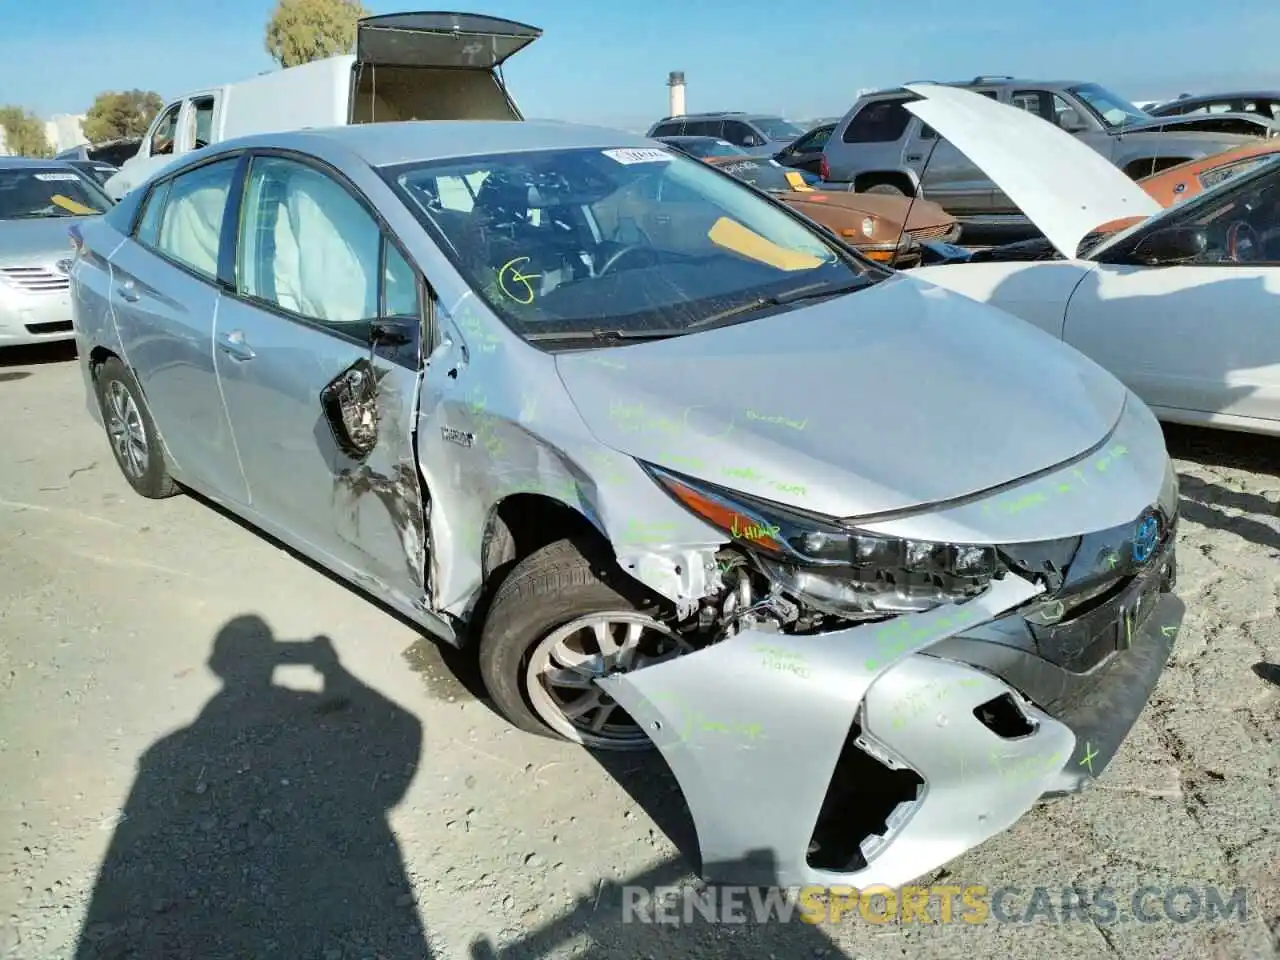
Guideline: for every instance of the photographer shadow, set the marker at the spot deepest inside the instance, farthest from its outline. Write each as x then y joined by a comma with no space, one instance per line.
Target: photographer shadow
261,829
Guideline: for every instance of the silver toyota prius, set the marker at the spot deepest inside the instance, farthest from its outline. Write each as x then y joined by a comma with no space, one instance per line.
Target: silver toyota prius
874,566
38,200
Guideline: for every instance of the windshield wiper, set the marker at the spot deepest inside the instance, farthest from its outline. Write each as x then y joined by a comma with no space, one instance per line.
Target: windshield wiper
605,336
809,292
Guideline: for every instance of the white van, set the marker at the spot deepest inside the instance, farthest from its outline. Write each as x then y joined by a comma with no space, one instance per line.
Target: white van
407,66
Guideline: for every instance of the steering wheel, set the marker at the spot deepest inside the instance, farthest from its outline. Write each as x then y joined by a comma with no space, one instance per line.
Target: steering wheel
1243,243
625,250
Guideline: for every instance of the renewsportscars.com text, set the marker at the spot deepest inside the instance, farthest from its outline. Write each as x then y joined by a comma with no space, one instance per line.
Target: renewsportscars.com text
940,903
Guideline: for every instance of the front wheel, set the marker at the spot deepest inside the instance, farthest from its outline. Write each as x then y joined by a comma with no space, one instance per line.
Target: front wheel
135,442
561,618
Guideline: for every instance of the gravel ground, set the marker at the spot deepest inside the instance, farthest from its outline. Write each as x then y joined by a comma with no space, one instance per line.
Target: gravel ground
186,767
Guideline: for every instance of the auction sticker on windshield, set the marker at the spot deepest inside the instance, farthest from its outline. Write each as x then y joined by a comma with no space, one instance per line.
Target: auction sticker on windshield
57,176
638,155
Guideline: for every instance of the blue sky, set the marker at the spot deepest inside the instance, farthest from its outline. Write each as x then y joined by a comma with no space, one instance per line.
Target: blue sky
607,62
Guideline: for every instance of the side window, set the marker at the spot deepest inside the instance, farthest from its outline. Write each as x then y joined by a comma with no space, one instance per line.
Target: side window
702,128
669,129
191,220
881,122
162,139
201,131
739,134
928,133
307,245
148,230
1028,100
399,284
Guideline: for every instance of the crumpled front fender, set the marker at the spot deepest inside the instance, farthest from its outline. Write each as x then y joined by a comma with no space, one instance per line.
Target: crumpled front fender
753,727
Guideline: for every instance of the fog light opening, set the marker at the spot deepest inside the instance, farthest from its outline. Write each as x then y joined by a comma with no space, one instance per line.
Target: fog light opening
1003,716
866,801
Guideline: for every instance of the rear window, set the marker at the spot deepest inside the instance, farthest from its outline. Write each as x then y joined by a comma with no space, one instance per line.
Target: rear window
670,129
39,193
880,122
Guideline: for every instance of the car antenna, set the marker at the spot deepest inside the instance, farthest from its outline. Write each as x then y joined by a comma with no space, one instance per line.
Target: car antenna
937,138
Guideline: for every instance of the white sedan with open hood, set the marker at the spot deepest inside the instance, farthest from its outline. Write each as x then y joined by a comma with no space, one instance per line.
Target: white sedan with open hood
1180,304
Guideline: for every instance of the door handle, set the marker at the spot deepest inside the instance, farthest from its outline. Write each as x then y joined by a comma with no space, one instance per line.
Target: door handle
914,157
128,291
662,219
232,343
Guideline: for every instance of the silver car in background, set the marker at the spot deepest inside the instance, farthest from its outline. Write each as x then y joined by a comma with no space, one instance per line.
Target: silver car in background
874,566
39,199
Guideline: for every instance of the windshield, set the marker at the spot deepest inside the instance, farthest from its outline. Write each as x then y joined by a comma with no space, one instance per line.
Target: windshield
1113,110
1192,208
32,193
636,240
776,128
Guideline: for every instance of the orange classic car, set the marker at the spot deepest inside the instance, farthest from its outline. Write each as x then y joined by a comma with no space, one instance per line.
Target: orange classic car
884,228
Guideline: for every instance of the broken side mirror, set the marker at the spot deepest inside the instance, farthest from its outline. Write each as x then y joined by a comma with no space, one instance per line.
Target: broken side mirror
350,404
1170,246
394,331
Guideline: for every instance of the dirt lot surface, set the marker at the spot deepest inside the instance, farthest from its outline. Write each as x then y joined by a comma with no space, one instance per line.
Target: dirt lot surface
179,766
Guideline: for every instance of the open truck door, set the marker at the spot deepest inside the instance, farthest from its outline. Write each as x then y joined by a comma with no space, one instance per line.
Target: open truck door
435,66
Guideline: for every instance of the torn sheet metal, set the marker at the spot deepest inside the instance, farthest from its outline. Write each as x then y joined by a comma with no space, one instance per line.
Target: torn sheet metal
754,747
496,422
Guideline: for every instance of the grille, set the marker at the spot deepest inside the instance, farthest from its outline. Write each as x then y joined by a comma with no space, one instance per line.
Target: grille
931,233
36,279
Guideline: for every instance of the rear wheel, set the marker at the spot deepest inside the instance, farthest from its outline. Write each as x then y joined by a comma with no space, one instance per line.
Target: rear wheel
564,616
885,189
134,439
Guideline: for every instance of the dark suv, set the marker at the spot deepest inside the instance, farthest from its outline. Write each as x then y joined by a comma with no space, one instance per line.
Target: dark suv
880,147
757,133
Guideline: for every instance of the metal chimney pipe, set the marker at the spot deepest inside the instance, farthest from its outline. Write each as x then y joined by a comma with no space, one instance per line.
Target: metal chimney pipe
675,80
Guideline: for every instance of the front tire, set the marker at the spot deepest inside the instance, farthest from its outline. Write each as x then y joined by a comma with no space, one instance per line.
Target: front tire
132,433
564,615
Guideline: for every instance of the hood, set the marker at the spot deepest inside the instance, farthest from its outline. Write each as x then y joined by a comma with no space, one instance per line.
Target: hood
1062,186
38,241
1242,125
890,398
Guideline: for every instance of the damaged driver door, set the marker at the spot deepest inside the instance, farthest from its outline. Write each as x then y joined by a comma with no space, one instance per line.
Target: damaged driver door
319,358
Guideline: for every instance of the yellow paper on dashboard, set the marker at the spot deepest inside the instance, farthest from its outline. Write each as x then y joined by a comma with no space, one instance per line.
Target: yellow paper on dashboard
734,236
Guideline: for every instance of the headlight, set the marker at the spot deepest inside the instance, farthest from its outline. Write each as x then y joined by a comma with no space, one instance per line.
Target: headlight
837,568
868,226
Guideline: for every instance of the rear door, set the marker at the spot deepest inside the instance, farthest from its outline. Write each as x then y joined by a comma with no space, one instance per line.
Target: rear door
947,176
455,41
324,421
164,294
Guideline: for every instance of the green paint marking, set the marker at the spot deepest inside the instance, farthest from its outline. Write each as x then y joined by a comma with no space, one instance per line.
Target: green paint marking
1089,755
1169,631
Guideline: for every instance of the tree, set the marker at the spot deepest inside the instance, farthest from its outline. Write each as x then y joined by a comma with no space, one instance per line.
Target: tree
24,133
300,31
117,114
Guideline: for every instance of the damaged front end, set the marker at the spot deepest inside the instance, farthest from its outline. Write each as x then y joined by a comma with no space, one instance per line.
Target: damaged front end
867,705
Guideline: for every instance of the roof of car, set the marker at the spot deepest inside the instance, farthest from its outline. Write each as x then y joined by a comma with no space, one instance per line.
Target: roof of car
386,144
1230,95
691,138
19,163
985,82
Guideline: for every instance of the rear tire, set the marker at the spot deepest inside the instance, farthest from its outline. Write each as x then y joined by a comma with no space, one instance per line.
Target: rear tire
132,433
885,190
569,602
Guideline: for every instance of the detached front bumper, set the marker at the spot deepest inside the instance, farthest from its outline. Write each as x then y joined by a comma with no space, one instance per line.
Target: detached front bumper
875,754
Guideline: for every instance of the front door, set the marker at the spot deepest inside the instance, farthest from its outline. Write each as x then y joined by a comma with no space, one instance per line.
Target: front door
164,297
1204,336
325,420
